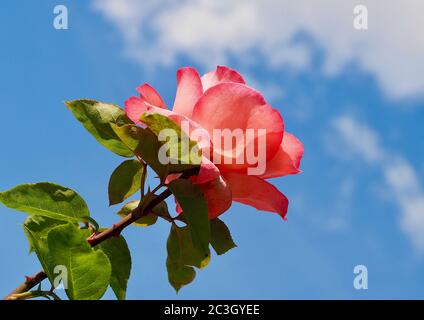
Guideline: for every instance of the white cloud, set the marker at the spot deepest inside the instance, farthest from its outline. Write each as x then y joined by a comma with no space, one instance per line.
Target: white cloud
408,192
358,137
209,32
399,175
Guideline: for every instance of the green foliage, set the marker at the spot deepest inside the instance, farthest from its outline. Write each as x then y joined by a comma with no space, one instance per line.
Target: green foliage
36,229
98,118
186,152
145,221
88,270
125,181
67,245
221,239
195,209
48,200
145,145
183,255
119,256
59,221
179,275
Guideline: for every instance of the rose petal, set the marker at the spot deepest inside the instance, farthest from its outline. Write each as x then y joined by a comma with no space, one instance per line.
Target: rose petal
221,74
258,193
171,177
150,95
135,107
218,195
208,171
189,90
287,160
236,106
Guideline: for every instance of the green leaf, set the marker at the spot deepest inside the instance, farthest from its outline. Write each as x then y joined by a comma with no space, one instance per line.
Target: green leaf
144,144
120,258
161,210
145,221
97,117
181,248
195,209
221,239
88,270
186,152
36,229
179,275
47,200
129,134
182,257
125,181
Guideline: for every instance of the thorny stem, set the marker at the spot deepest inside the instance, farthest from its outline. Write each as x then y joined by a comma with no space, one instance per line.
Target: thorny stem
116,229
23,291
35,294
29,283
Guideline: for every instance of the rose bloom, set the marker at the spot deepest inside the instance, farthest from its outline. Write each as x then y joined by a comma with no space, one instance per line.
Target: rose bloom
222,100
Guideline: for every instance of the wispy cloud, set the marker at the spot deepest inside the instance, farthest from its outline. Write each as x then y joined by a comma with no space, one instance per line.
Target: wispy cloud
359,139
361,142
210,32
409,195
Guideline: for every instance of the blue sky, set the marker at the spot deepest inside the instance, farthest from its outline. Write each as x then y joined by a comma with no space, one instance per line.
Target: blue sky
355,98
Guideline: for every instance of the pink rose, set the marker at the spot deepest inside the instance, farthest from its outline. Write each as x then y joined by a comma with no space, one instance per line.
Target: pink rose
221,100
